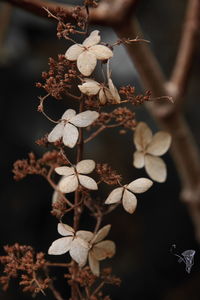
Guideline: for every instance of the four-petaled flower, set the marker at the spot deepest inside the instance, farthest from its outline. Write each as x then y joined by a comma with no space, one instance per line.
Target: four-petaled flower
91,88
88,53
100,249
74,242
126,193
66,128
72,176
149,148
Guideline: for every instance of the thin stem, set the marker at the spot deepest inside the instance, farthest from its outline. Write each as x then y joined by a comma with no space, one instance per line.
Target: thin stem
62,265
98,289
56,294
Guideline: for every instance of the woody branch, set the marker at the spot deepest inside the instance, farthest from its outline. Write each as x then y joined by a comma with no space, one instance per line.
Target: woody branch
184,149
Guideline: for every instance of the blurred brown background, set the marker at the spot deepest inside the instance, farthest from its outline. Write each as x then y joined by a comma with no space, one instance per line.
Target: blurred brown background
143,260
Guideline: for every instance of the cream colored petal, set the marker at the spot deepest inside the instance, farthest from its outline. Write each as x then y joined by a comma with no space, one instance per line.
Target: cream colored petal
102,97
73,52
90,88
114,92
160,143
68,114
101,52
85,118
64,229
129,202
70,135
85,166
86,63
79,251
108,94
115,196
56,133
68,184
66,171
139,185
60,246
101,234
138,159
142,136
88,182
104,249
93,39
85,235
155,168
94,264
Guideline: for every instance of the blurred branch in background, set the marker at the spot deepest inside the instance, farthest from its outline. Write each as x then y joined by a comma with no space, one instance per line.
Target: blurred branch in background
118,15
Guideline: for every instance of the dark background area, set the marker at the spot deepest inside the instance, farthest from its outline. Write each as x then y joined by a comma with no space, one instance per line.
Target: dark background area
143,261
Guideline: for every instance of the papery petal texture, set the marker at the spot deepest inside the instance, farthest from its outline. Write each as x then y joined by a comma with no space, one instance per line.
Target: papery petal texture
85,166
68,114
139,185
60,246
85,235
101,234
94,264
79,251
66,171
142,136
86,63
102,97
114,91
88,182
101,52
56,133
160,143
129,202
138,159
73,52
155,168
65,230
93,39
115,196
68,184
85,118
70,135
104,249
90,88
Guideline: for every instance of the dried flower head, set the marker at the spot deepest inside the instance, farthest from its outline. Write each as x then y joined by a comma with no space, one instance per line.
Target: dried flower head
66,128
73,176
148,149
126,193
88,53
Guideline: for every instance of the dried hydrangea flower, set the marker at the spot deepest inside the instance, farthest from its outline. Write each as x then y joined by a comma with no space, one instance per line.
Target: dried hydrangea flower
126,193
73,176
74,242
91,88
99,249
88,53
149,148
67,127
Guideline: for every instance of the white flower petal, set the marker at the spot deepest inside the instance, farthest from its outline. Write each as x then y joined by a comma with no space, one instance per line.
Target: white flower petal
79,251
66,171
102,97
94,264
114,91
142,136
85,118
101,52
101,234
86,63
85,235
138,159
68,114
129,202
93,39
90,88
70,135
139,185
104,249
88,182
85,166
64,229
56,133
68,184
160,143
115,196
60,246
155,168
73,52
